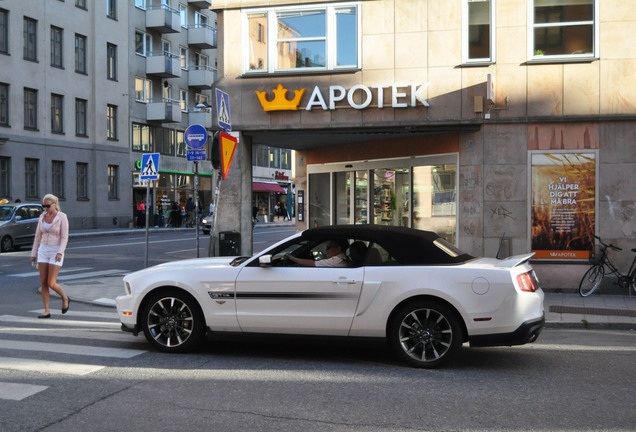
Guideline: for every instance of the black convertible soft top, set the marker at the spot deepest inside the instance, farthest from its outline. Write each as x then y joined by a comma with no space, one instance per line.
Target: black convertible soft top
408,246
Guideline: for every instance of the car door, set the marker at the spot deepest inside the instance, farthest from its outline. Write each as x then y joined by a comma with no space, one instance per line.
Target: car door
297,300
27,225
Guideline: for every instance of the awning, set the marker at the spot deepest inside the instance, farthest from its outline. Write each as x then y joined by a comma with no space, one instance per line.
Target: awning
267,187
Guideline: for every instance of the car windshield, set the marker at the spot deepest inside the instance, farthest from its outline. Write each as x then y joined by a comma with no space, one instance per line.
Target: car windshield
6,212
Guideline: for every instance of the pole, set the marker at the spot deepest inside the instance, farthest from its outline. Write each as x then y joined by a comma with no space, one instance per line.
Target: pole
196,203
147,218
211,248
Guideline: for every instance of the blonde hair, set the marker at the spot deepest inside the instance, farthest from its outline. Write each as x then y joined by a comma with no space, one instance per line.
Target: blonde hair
52,198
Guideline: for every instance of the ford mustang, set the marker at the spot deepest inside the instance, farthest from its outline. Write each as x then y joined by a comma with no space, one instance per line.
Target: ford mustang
411,287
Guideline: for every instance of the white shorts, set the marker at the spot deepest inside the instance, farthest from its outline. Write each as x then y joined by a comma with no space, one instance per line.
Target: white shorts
47,253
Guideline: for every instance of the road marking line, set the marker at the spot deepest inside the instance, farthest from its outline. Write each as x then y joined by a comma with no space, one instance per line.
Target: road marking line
36,273
92,334
18,391
91,274
92,351
46,366
58,322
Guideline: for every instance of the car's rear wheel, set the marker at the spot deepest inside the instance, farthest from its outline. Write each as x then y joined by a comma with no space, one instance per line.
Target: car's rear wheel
172,321
6,244
425,334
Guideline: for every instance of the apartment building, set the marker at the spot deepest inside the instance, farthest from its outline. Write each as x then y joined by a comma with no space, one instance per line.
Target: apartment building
507,126
86,87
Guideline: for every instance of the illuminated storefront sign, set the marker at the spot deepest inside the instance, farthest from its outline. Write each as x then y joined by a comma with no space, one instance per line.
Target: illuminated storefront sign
359,97
563,205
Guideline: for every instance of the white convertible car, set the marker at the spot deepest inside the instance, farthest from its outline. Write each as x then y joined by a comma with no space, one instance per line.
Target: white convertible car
408,286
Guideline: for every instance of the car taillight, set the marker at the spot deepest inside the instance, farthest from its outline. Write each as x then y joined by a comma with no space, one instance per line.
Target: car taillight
526,282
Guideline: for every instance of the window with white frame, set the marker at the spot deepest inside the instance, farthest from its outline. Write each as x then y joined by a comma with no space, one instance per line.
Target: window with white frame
201,99
200,20
302,38
183,15
479,31
563,29
183,55
143,89
141,4
183,100
201,61
166,46
143,43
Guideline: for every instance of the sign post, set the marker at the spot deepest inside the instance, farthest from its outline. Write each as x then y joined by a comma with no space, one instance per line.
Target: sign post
195,137
149,171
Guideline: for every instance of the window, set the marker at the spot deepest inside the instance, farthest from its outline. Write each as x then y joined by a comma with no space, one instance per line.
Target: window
310,38
201,61
80,54
143,89
113,182
167,93
80,4
183,14
183,53
164,141
5,176
201,99
183,100
80,117
57,178
285,159
81,179
31,185
30,39
182,148
143,43
111,62
111,9
111,122
4,31
141,4
57,113
30,108
57,41
200,20
260,155
563,29
141,138
4,104
478,45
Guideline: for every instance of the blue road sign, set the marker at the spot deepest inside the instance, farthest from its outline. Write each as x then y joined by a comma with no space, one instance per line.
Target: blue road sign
196,136
223,110
196,155
150,166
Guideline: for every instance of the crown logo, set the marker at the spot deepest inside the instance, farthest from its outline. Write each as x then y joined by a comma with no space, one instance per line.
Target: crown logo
280,101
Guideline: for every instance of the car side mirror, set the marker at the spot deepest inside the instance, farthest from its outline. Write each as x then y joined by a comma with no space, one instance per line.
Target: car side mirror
265,260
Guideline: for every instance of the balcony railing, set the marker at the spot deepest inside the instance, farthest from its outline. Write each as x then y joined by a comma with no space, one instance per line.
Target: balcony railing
200,116
202,36
163,64
163,18
163,110
201,76
203,4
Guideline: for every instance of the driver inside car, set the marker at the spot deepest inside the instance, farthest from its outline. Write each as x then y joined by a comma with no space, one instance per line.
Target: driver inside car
335,256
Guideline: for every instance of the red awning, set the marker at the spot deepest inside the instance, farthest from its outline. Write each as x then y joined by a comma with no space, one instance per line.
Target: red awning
267,187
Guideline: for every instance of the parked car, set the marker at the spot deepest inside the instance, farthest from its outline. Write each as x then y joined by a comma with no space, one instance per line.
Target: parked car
411,287
18,222
206,223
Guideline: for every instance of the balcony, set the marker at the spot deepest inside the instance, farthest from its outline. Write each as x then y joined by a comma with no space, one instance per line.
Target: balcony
164,19
201,77
163,64
203,4
200,116
164,111
202,36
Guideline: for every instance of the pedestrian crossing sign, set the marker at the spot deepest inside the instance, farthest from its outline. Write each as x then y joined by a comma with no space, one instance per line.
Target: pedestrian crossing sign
149,166
223,110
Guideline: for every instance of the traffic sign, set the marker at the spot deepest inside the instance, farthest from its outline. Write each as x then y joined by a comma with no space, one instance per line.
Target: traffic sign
228,145
196,155
149,166
223,109
195,136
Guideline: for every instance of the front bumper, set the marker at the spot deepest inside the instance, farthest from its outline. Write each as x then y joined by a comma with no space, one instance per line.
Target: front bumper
525,333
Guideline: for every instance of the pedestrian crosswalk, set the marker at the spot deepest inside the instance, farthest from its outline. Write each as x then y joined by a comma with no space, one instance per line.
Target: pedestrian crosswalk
76,344
73,273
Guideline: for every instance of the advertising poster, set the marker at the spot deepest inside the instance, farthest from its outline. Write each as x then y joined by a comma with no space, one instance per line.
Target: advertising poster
563,205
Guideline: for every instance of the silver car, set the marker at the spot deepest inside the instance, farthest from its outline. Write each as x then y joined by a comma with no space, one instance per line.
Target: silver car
18,222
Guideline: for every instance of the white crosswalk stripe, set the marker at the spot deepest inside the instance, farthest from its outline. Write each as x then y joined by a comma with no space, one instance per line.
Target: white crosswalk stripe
60,337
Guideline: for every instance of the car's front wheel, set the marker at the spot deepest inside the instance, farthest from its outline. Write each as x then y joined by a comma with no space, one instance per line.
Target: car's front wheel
6,244
425,334
172,321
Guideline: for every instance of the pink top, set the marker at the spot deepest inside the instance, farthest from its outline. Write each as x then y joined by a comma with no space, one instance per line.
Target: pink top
56,235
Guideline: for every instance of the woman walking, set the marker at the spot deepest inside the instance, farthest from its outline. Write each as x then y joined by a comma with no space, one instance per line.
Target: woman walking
51,237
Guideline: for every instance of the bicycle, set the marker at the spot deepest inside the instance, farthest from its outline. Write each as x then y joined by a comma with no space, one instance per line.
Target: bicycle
594,275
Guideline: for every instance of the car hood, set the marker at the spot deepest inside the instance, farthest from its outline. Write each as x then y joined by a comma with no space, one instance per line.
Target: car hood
189,264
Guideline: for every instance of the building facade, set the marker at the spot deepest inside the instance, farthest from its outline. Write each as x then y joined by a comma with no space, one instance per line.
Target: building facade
87,87
506,126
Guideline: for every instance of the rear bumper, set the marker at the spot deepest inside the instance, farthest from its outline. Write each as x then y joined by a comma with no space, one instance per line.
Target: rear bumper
526,333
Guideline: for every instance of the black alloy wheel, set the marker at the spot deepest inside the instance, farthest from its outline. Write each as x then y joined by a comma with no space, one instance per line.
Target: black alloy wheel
172,321
425,334
6,245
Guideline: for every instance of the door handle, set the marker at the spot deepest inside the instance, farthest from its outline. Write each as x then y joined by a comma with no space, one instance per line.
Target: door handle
345,281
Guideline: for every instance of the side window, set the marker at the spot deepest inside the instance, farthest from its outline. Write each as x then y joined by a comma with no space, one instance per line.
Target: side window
378,256
35,212
22,213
